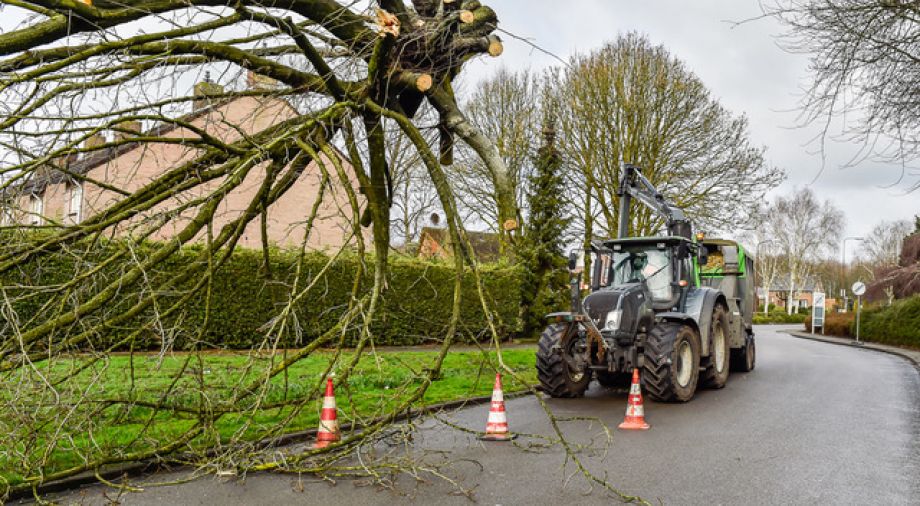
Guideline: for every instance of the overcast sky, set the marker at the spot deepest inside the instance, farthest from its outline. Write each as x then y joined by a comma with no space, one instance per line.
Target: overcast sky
744,67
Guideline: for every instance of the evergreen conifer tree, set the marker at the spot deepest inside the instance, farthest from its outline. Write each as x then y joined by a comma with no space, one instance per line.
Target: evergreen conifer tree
544,284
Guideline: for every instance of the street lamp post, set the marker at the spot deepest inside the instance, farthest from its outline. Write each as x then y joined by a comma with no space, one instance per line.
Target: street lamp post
766,289
843,267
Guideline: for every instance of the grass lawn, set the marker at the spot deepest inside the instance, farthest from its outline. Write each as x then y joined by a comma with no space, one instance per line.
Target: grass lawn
34,415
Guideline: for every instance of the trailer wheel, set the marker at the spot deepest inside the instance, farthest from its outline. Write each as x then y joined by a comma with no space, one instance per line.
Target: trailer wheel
744,358
716,373
672,362
613,379
556,377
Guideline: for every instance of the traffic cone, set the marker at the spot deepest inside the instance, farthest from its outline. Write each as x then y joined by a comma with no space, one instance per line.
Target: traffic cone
328,424
635,414
497,423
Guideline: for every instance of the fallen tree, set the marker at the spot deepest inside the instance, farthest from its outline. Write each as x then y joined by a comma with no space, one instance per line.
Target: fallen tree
74,69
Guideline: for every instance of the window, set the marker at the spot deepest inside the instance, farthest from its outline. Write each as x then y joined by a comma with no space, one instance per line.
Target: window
75,207
650,265
36,210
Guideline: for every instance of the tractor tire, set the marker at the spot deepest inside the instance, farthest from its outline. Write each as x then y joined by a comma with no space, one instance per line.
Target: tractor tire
716,373
556,379
613,379
745,358
672,362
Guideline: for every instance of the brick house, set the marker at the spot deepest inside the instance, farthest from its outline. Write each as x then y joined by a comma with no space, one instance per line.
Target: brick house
434,243
804,296
51,197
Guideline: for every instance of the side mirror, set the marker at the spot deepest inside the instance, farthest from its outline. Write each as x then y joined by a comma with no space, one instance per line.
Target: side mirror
704,256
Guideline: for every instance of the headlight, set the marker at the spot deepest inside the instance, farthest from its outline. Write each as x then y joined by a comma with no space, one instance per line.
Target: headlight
613,320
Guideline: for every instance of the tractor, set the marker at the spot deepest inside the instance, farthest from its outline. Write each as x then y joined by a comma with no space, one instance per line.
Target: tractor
677,307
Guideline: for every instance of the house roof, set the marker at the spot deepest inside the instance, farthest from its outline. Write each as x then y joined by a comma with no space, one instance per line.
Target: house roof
782,285
53,175
486,245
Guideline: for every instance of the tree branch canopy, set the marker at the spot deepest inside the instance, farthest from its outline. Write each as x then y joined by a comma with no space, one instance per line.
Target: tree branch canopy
865,70
142,143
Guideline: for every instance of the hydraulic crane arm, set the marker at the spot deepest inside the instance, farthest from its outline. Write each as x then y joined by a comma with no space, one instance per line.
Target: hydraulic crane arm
634,184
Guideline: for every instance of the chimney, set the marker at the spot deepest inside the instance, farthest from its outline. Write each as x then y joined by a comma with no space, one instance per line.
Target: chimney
64,161
203,90
256,81
94,141
126,129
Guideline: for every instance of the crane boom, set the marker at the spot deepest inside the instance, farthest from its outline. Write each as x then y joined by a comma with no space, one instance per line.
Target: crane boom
634,184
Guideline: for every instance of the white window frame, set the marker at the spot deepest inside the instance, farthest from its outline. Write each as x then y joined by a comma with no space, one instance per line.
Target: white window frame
36,209
75,200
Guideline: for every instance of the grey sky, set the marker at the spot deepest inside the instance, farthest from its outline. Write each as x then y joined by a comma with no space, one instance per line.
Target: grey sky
744,67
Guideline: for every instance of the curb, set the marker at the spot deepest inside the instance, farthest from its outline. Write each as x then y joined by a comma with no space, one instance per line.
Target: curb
154,465
909,355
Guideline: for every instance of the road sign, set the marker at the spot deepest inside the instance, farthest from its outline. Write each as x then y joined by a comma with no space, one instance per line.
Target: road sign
859,288
817,312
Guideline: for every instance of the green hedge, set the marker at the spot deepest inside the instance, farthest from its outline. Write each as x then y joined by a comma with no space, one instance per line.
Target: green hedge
415,308
897,324
836,324
780,316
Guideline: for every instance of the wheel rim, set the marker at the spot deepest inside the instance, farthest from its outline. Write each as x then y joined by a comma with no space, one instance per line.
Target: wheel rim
574,376
684,364
718,341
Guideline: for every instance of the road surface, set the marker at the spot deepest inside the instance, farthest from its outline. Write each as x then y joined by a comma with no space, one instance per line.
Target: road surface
815,423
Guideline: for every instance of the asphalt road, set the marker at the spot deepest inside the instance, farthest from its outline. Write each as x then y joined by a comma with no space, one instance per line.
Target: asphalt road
815,423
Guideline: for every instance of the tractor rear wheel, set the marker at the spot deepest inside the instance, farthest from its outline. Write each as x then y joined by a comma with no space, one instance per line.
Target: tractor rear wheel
716,373
672,362
556,377
744,358
613,379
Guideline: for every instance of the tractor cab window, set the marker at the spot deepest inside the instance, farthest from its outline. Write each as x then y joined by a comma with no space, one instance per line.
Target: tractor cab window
652,266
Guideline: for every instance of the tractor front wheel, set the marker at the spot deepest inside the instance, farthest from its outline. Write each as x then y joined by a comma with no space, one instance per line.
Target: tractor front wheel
556,376
672,362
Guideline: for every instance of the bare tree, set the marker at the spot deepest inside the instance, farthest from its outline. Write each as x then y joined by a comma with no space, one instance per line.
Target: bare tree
506,108
768,260
865,66
806,230
632,101
73,70
882,246
414,198
339,70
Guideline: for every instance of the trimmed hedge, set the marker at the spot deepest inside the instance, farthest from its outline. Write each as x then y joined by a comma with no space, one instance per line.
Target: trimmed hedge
836,324
415,308
897,324
780,316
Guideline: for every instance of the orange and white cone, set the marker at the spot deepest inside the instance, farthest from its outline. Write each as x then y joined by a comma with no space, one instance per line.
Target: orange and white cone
328,432
635,413
497,423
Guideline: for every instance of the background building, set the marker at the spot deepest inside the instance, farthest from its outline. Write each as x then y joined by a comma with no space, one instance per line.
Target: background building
52,197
